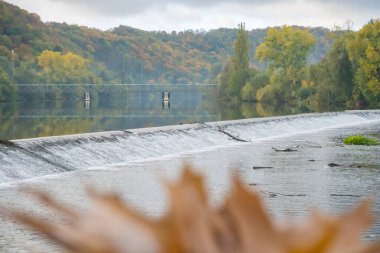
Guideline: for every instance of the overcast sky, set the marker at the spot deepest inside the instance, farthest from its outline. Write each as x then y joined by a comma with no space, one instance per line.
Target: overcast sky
169,15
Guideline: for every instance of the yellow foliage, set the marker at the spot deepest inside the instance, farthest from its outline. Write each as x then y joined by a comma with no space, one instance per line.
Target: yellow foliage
285,47
304,84
192,225
63,68
363,50
370,53
49,60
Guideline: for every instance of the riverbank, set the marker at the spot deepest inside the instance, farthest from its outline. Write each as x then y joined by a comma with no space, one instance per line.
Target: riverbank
317,170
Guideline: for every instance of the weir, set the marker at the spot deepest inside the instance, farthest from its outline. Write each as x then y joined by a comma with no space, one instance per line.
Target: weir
29,158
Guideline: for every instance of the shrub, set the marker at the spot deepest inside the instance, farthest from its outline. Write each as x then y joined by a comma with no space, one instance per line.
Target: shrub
248,92
359,140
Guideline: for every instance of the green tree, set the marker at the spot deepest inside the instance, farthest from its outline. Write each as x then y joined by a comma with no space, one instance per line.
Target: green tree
277,91
334,74
6,88
287,48
364,52
236,73
257,80
26,73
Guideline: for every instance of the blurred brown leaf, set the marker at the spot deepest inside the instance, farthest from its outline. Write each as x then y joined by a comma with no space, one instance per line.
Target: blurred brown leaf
241,225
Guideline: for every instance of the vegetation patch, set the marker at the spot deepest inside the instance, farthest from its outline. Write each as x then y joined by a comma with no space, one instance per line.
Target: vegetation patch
360,140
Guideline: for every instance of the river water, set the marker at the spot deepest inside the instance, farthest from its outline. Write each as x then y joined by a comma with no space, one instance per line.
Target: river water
132,161
50,110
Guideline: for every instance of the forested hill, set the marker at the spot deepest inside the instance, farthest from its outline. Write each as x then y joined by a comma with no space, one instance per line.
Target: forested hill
122,54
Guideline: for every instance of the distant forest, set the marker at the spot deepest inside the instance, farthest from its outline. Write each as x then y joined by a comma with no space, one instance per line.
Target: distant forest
32,51
278,65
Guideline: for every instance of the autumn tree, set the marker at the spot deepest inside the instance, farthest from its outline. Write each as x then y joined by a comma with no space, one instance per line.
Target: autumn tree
364,52
64,68
286,50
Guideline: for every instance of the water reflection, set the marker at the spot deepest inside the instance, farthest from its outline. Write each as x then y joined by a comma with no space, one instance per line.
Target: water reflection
69,109
255,110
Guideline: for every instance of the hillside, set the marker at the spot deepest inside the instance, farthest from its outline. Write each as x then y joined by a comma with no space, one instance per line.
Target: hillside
123,54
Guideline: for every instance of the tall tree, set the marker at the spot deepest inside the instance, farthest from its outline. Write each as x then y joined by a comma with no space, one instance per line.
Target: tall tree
364,52
241,50
236,73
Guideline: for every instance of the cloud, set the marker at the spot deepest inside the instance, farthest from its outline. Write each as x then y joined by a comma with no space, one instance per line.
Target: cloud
352,4
196,14
115,8
256,15
125,7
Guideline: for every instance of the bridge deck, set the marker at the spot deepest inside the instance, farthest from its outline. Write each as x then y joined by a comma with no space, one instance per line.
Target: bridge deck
104,88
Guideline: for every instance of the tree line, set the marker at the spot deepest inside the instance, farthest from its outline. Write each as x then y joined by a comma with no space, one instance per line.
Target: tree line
277,65
348,74
119,55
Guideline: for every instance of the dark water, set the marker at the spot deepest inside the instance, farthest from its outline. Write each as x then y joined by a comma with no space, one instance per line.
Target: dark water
50,110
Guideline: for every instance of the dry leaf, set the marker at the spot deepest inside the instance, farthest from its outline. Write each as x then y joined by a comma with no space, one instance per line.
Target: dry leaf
191,225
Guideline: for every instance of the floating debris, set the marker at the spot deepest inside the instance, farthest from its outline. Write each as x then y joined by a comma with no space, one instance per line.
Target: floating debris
344,195
284,150
334,165
274,194
236,138
261,167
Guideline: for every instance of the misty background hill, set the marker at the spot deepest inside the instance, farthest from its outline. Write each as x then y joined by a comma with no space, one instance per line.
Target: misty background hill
125,54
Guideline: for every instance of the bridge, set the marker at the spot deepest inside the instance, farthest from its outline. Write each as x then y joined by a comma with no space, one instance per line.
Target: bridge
105,88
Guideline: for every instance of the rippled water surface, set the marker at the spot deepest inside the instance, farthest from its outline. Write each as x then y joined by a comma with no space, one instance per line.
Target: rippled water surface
291,182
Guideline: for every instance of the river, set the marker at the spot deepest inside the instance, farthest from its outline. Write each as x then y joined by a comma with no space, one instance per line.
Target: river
132,161
51,110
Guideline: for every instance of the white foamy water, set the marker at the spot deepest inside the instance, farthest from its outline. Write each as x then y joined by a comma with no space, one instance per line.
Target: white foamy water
29,158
